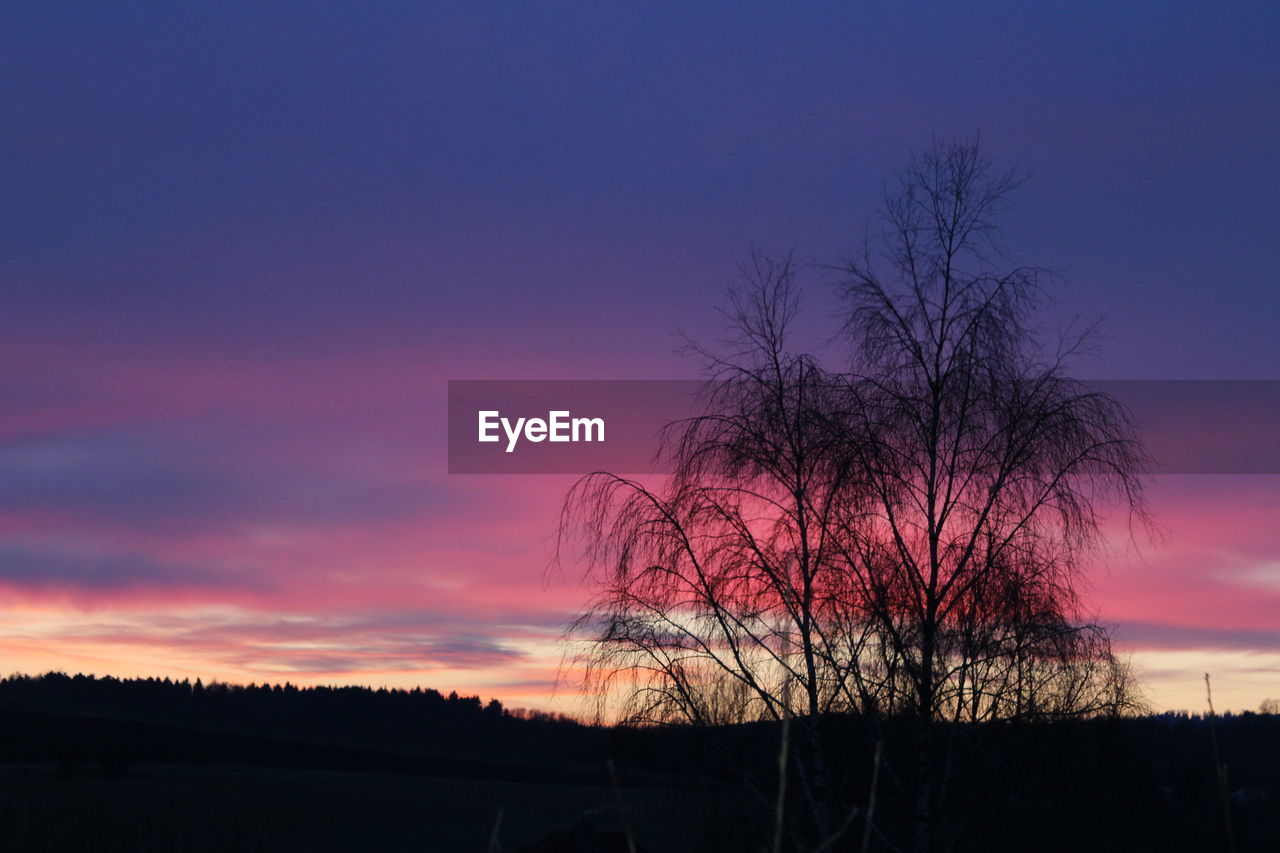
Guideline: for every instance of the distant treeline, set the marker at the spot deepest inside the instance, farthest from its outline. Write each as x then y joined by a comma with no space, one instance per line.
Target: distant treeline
421,719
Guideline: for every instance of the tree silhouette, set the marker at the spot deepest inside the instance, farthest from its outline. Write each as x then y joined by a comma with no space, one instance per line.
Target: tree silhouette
982,467
900,536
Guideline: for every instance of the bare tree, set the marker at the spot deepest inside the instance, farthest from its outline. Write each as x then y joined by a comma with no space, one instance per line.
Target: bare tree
904,535
986,466
713,594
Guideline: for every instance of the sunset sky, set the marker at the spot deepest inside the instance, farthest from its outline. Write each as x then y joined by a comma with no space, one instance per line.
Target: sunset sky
243,250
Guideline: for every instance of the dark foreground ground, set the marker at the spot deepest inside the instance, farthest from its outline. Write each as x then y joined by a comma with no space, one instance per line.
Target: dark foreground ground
77,782
213,808
93,765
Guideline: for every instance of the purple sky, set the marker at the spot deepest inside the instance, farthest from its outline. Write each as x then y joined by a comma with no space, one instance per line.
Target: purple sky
242,250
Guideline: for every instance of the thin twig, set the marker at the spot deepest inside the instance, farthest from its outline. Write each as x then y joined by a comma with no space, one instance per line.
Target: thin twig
781,805
1220,769
622,808
871,798
494,845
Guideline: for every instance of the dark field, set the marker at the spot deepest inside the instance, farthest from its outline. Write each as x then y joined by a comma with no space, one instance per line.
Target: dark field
104,765
214,808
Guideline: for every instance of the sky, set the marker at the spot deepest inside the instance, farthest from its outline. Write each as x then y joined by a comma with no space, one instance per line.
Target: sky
243,247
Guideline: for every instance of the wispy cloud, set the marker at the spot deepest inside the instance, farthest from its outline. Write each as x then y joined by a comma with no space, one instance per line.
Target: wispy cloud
275,643
52,566
1157,635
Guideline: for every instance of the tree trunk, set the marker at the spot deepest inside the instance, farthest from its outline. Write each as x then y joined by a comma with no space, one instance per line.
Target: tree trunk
924,750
